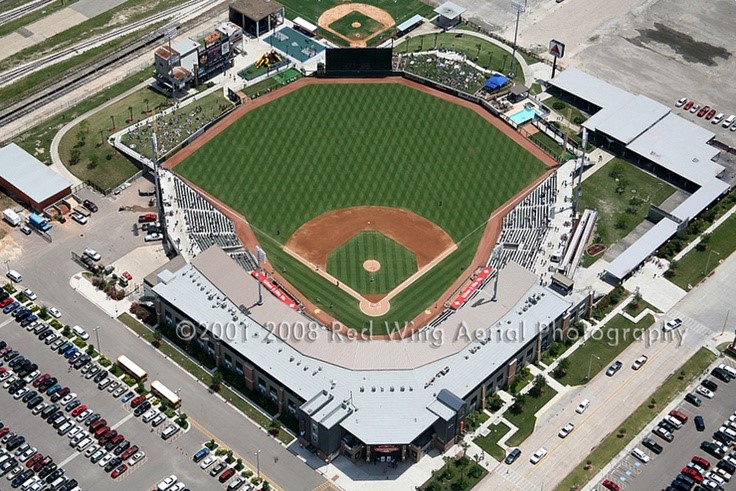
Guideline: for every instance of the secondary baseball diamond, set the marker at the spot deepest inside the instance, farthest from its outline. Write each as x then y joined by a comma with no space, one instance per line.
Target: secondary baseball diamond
326,147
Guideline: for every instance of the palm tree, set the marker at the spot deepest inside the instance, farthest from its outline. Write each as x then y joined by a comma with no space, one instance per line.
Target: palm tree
130,110
465,446
146,102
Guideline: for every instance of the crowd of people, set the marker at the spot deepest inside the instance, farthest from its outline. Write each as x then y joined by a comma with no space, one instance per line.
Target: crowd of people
448,71
171,128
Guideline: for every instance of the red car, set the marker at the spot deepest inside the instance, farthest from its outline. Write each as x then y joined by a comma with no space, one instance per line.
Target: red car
127,276
710,114
117,439
689,471
137,401
129,453
101,431
701,462
41,379
6,301
98,424
4,431
119,470
611,485
77,410
33,460
679,415
229,472
703,111
42,463
688,105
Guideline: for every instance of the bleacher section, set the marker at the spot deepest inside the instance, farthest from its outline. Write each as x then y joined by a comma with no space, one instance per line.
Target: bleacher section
525,228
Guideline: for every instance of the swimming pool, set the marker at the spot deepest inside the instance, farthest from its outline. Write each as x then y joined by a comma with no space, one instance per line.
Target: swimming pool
523,116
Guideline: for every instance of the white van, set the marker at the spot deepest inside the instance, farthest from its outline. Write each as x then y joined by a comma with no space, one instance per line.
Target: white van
729,121
14,275
582,406
78,331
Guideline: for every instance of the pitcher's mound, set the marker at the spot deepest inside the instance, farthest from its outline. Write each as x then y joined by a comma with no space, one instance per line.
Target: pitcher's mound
371,265
355,25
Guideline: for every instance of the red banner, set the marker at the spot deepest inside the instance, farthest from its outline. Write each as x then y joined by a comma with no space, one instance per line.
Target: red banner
275,290
474,285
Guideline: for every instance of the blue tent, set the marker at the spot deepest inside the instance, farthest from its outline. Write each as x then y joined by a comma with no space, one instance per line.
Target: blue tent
496,82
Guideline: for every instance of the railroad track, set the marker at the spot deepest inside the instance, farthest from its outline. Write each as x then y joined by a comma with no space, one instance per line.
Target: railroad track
18,12
73,79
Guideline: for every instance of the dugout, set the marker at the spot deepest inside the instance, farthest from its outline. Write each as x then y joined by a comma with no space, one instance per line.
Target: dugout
256,16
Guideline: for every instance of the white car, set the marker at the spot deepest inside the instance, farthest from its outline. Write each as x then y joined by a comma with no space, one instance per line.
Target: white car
639,362
177,487
90,450
54,312
136,457
27,454
92,254
672,325
38,409
566,430
96,455
538,455
79,218
29,378
639,454
84,415
67,398
74,431
82,445
582,406
207,462
704,392
681,102
150,415
170,431
104,460
5,375
166,483
63,429
29,293
717,118
158,420
153,237
9,380
20,393
728,368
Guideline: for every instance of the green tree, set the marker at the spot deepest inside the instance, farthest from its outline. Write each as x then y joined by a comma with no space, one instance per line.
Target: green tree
216,382
538,388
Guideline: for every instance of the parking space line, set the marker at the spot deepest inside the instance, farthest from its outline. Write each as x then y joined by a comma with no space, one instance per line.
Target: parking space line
8,321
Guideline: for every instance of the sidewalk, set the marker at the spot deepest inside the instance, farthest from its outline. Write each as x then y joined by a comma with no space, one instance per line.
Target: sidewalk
113,308
707,231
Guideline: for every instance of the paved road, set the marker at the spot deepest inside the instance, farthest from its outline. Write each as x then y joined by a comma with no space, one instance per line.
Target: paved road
47,270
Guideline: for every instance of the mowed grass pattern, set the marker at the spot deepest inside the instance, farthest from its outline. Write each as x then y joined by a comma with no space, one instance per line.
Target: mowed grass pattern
327,147
346,263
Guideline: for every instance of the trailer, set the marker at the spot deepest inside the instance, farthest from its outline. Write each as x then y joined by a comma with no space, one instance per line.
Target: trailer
11,217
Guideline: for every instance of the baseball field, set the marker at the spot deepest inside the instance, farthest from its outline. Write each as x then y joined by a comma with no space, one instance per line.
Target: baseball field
326,148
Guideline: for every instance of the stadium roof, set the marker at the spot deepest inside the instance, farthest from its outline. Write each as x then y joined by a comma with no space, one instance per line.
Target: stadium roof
590,88
33,178
405,394
450,10
627,121
256,9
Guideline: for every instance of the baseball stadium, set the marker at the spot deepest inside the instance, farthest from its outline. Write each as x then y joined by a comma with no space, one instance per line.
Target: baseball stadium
364,250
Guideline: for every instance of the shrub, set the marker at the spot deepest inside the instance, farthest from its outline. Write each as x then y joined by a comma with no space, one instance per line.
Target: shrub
220,451
129,381
558,105
79,343
578,120
494,402
247,473
104,362
212,444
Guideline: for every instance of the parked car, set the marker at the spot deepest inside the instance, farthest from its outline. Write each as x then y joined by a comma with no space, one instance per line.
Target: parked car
92,254
681,102
704,392
90,205
640,454
639,362
538,455
693,399
79,218
614,368
703,111
566,430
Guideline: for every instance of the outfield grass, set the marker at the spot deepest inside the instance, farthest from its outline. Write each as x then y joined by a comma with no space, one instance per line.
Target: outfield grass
329,147
697,264
368,26
526,420
606,345
489,443
481,52
621,193
400,11
604,453
346,263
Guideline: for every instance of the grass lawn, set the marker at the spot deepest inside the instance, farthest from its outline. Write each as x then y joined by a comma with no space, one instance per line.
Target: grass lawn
346,263
642,416
489,443
400,11
697,264
526,420
607,344
459,474
571,113
480,51
272,82
203,375
633,308
367,25
365,134
621,193
547,143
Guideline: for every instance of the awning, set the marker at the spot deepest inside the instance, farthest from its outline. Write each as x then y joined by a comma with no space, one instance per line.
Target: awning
409,23
305,25
496,81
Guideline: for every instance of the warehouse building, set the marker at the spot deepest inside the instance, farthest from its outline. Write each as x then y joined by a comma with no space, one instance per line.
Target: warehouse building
30,181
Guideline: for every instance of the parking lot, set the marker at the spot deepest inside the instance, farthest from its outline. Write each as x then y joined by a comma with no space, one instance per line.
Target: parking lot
162,457
631,474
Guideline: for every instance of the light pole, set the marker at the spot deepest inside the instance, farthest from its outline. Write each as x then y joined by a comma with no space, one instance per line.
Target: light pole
519,6
260,256
7,264
723,331
707,262
590,365
97,336
258,462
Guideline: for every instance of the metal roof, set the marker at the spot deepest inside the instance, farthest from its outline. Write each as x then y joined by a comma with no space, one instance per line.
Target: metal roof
30,176
450,10
256,9
404,393
409,23
627,121
590,88
640,250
